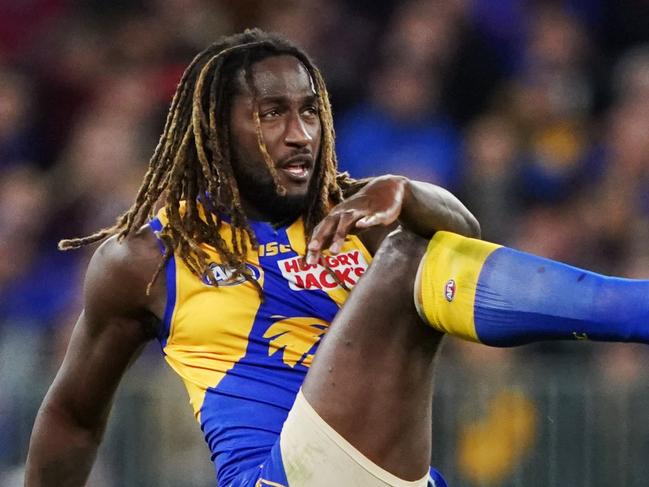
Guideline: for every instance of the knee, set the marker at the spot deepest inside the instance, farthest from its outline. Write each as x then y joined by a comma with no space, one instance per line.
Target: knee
401,251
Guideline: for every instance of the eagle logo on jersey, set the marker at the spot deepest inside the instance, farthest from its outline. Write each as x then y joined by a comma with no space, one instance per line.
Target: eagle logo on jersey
295,338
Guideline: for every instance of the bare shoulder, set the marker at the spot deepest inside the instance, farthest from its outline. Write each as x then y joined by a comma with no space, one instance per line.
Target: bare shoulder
116,321
119,273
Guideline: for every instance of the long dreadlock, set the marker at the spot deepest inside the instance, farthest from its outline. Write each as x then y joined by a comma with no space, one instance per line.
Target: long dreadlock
192,161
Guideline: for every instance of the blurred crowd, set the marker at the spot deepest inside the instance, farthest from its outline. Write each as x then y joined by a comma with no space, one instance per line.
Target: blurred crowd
535,113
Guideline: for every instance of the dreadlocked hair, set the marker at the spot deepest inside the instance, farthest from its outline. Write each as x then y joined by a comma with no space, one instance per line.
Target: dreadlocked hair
192,161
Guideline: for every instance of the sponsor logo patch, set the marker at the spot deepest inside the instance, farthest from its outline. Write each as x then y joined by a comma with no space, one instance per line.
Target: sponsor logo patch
225,276
348,267
449,290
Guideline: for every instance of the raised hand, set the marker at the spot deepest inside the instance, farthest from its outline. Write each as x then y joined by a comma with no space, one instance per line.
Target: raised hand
378,203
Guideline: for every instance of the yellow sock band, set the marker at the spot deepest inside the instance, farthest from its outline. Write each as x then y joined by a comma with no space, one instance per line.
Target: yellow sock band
447,282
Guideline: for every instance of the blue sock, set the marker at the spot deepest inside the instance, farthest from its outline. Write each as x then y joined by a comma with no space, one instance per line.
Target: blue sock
502,297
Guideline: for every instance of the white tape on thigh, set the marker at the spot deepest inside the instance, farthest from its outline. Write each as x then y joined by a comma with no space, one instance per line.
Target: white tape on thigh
315,455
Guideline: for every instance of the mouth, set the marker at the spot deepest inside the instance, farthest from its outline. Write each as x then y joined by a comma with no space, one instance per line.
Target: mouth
297,168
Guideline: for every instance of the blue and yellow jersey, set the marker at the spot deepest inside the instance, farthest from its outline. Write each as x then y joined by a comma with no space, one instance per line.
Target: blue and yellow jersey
243,358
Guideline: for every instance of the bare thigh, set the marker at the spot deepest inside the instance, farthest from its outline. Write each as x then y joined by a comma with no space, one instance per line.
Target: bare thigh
372,377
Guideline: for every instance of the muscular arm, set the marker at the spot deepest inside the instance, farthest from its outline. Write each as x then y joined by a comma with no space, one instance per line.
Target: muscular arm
385,202
108,336
427,208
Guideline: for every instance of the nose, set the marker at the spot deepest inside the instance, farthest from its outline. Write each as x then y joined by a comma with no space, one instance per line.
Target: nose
297,132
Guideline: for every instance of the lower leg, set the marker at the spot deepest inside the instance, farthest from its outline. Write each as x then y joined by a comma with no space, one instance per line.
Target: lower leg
371,379
502,297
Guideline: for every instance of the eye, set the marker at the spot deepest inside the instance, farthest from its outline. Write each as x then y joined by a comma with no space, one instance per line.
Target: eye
311,110
268,114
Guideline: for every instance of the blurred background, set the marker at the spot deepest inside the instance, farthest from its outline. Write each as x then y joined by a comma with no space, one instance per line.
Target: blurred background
535,113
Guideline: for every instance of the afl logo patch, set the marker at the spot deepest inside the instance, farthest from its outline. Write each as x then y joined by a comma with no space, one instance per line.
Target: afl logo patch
224,275
449,290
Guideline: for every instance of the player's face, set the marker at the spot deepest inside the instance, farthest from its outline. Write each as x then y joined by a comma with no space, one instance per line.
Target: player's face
290,126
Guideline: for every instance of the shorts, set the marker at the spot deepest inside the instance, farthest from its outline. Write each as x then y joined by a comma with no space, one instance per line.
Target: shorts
310,453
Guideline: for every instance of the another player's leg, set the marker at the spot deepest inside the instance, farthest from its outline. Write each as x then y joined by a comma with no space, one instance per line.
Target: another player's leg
499,296
368,393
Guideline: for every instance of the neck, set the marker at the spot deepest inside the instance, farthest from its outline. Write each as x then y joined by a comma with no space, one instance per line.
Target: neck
275,218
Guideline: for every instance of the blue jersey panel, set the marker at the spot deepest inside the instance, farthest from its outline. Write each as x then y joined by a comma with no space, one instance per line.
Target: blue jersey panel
243,415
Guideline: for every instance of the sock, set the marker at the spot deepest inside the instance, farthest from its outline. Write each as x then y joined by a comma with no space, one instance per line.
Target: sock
498,296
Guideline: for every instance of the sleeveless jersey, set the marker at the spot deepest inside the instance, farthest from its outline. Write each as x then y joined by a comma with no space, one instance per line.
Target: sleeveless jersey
243,358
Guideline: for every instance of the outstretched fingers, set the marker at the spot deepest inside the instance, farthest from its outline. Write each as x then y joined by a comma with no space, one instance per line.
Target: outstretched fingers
331,232
377,204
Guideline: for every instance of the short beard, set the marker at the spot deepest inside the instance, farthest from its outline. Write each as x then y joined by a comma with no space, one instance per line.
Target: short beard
260,191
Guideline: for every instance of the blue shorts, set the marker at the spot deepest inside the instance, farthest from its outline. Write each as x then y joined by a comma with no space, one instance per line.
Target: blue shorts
309,452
